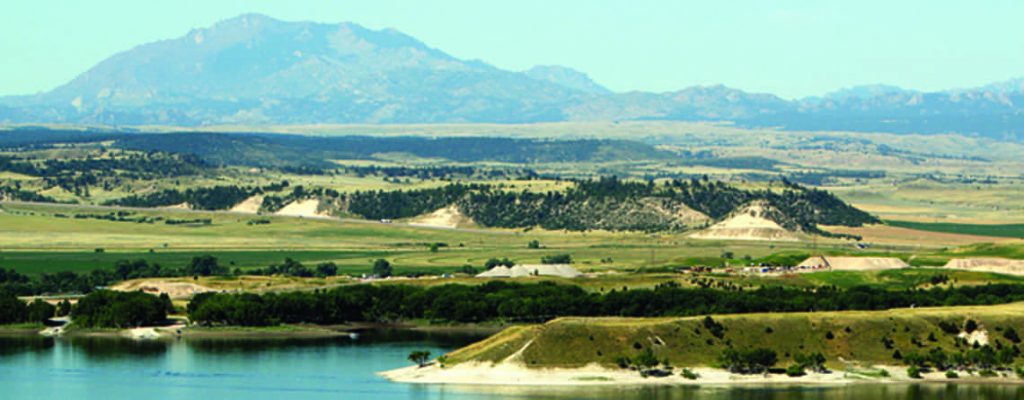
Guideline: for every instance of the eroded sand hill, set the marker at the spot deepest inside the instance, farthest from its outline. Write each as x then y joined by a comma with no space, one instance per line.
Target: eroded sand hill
448,217
748,223
250,205
303,208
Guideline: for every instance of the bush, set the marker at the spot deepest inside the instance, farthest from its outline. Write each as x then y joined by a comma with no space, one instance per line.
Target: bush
688,374
753,361
795,370
952,374
987,373
914,372
556,259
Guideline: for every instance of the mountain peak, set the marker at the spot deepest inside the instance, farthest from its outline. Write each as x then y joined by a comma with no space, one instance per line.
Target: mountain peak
866,91
566,77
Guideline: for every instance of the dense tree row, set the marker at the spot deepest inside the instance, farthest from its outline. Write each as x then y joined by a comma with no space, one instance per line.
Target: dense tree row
110,309
208,198
542,301
440,172
13,310
70,282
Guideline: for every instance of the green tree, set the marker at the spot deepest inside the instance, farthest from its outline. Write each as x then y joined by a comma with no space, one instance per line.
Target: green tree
205,265
12,310
326,269
382,268
533,244
64,308
39,311
420,357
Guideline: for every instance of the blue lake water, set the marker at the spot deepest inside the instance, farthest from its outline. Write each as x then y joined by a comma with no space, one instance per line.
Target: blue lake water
339,368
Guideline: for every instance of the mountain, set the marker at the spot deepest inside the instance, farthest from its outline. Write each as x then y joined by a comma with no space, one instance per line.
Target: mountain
255,70
568,78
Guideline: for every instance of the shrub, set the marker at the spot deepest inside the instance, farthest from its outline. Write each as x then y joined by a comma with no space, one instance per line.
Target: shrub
688,374
753,361
952,374
795,370
914,372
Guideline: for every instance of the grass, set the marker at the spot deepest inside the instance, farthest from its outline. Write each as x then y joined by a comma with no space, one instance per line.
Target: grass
856,336
1007,230
36,240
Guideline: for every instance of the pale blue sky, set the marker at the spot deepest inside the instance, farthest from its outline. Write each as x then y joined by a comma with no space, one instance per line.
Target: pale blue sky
790,48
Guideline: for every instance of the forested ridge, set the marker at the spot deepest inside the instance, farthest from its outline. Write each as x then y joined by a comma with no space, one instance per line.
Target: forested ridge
609,203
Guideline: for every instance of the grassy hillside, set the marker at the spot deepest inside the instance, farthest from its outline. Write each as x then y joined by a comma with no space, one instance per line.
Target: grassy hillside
869,337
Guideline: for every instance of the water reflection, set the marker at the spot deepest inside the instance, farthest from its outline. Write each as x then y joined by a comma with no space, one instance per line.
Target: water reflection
332,368
106,348
394,337
13,345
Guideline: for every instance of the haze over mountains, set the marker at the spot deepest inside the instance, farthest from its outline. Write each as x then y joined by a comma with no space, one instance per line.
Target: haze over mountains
254,70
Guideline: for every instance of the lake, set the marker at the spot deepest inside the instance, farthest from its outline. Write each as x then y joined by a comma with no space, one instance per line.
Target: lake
338,368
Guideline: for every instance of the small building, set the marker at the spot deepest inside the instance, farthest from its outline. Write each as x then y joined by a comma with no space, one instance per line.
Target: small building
518,271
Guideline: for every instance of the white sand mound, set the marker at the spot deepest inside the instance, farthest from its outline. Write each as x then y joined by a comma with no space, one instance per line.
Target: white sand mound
448,217
302,208
749,223
518,271
997,265
979,336
853,263
250,205
176,290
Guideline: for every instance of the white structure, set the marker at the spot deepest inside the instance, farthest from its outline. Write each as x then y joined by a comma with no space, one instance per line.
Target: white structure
997,265
517,271
852,263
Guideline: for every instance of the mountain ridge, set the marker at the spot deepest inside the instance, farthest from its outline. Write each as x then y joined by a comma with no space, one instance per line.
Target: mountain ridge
253,69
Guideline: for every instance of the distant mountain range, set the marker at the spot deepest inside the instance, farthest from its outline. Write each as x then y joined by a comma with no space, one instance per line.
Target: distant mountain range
253,70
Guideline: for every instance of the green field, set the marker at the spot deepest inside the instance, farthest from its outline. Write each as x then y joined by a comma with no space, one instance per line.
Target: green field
1005,230
36,240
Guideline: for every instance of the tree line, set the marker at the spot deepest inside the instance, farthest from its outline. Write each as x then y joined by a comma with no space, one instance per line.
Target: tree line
11,281
205,198
536,302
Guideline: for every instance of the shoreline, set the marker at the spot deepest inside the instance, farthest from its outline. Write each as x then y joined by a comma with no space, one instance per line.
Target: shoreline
515,374
297,331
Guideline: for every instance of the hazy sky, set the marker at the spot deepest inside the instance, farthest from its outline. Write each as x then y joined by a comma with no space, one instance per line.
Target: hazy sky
790,48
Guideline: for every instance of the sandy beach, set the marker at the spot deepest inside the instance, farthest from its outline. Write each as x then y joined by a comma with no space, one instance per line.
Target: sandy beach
513,374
